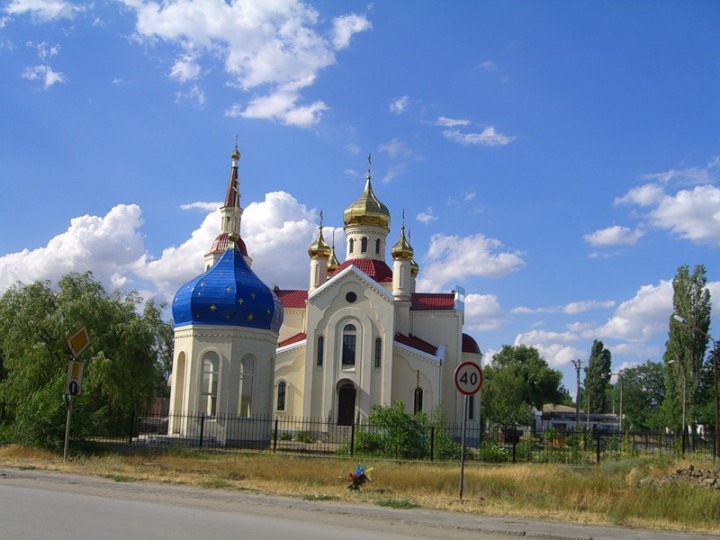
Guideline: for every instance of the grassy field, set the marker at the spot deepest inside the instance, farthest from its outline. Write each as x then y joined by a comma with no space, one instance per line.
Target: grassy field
610,493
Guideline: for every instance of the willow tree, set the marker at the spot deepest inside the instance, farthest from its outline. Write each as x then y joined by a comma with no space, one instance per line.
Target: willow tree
123,364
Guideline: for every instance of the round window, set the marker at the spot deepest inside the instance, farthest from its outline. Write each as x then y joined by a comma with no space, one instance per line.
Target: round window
351,297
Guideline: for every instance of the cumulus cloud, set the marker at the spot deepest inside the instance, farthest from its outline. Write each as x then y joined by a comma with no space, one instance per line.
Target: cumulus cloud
691,213
44,10
487,137
195,96
107,246
451,259
274,49
444,121
557,348
640,317
483,312
426,217
45,74
614,236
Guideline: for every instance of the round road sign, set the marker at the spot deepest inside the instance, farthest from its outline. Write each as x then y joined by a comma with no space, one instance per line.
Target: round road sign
468,378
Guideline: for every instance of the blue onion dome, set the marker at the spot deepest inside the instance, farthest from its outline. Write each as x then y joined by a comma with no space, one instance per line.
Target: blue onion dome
228,293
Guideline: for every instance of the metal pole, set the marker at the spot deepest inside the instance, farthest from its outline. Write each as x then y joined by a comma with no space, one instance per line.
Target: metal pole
462,449
68,406
577,363
717,412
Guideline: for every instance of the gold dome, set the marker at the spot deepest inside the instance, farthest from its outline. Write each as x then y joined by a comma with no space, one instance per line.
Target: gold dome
333,263
367,209
319,248
402,249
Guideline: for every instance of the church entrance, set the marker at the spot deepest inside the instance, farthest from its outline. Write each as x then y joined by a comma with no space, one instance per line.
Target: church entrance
346,404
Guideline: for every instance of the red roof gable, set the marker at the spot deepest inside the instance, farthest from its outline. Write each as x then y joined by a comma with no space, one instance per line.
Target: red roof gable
377,270
433,301
416,343
469,345
293,339
290,298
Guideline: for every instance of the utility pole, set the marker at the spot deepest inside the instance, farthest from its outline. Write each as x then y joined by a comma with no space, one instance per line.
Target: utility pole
577,363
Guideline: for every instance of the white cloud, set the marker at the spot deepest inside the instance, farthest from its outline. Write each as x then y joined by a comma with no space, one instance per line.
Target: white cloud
646,195
693,215
573,308
107,246
399,105
641,317
346,27
488,65
614,236
426,217
271,48
444,121
451,259
45,74
44,10
555,347
483,312
488,137
195,95
185,69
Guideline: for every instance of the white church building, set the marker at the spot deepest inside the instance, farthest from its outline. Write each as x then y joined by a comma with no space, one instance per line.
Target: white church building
360,335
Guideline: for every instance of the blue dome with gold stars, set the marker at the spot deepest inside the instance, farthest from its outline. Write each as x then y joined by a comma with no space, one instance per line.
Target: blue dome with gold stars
229,294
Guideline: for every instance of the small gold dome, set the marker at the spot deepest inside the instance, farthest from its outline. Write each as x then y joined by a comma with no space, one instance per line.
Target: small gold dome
402,249
367,209
414,268
319,248
334,263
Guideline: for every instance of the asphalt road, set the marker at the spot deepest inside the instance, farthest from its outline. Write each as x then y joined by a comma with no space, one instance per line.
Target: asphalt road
38,505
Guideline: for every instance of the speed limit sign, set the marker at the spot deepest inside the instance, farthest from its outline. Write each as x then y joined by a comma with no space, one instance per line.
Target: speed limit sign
468,378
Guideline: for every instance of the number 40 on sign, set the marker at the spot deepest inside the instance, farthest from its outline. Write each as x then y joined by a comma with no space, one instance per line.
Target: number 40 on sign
468,378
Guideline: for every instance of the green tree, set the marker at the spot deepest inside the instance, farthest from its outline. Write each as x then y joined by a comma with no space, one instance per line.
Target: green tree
686,347
123,371
394,432
519,379
597,379
642,391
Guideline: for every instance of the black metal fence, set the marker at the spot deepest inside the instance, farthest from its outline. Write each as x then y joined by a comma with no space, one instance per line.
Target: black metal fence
416,441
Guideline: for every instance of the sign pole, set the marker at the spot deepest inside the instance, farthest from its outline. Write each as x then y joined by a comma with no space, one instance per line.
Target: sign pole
68,406
462,447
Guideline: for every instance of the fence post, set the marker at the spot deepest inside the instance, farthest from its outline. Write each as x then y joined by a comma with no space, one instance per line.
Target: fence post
275,435
597,447
352,438
514,443
132,426
202,429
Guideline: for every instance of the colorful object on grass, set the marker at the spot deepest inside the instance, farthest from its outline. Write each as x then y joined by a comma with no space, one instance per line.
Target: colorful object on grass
359,477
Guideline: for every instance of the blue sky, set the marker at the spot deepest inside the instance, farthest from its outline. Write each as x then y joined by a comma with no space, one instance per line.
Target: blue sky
558,160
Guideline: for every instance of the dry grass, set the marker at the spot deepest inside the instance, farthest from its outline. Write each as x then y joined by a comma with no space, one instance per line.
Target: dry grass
605,494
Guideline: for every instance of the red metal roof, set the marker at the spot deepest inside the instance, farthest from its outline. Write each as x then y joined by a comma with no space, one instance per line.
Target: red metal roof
377,270
221,243
416,343
293,339
290,298
432,301
469,345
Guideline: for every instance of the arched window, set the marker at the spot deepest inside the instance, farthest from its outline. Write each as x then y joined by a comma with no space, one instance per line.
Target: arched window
377,246
247,366
378,352
209,390
363,245
281,392
418,401
320,351
349,342
351,244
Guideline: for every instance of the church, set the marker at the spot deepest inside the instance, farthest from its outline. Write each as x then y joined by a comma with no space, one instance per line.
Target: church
360,334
